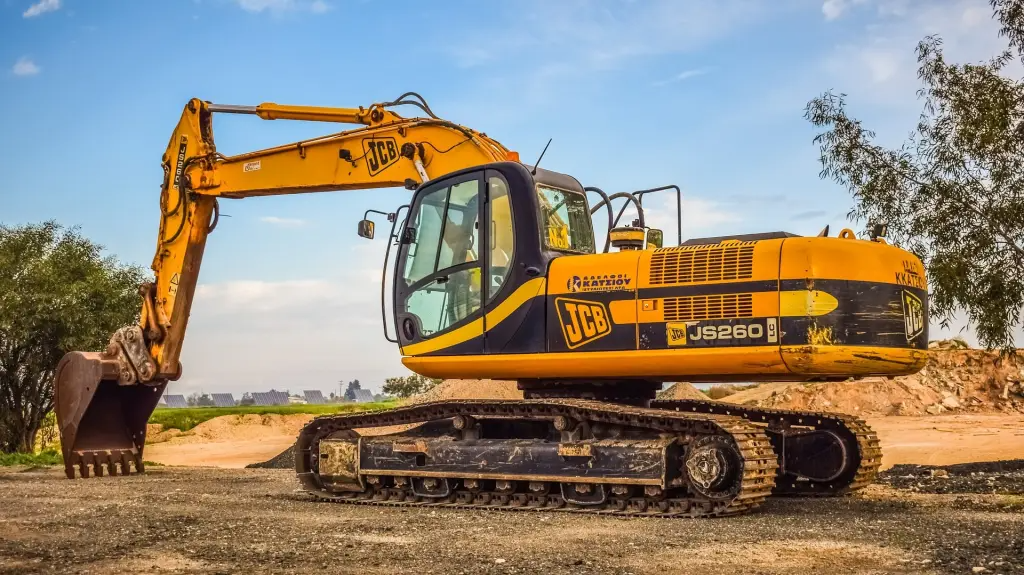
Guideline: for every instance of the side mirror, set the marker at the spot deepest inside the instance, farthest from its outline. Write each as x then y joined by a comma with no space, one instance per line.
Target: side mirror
655,238
366,229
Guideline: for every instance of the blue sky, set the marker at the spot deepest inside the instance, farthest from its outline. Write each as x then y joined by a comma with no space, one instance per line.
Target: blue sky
707,94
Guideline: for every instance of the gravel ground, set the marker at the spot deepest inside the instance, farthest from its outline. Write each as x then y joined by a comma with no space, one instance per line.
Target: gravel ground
187,520
283,460
1003,477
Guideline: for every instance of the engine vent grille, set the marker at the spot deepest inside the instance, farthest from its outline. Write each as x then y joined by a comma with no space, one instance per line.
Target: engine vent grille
699,307
696,264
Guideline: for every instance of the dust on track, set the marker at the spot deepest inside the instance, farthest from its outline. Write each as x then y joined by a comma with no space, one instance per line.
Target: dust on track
186,520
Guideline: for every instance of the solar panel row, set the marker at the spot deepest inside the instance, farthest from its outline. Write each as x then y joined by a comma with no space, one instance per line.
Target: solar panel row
314,396
176,401
223,399
364,396
270,398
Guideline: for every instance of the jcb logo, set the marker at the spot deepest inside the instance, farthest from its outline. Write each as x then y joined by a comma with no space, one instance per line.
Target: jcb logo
379,153
675,334
582,321
913,315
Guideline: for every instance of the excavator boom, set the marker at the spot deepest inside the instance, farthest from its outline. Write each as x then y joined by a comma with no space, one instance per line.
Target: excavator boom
103,399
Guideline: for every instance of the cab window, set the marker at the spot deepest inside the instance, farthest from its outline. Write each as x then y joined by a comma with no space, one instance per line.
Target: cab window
443,285
565,223
502,241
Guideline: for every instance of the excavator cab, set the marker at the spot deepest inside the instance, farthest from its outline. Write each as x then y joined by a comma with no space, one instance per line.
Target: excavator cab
471,241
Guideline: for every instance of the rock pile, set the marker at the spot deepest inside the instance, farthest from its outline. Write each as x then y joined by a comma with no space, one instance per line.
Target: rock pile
954,380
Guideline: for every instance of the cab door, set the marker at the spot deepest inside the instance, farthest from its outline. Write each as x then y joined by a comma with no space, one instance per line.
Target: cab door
438,295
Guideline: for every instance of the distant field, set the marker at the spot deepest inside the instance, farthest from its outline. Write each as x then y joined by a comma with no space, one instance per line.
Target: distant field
187,418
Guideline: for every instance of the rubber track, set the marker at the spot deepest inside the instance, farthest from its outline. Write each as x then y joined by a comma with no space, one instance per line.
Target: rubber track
759,470
868,446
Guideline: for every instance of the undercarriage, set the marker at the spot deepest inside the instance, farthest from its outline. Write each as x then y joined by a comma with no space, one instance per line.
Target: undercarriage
617,455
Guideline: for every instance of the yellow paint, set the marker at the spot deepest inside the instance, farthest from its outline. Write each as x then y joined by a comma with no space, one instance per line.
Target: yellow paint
819,335
623,311
760,363
568,273
526,292
765,261
804,303
765,304
850,259
628,234
853,361
660,363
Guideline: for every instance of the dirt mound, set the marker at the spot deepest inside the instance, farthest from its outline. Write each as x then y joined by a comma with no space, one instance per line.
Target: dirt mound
155,433
954,380
250,426
681,390
469,389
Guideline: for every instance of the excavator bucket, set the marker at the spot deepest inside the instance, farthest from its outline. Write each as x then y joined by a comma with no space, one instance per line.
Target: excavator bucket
101,423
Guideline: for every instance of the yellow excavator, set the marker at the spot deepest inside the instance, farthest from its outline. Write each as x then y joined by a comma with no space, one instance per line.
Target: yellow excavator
497,274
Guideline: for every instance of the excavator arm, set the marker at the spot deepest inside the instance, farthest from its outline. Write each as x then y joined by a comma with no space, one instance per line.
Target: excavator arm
104,399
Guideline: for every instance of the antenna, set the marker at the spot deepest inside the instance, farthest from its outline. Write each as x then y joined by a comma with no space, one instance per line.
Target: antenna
537,163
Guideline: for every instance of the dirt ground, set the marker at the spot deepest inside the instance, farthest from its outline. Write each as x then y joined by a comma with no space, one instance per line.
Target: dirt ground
191,520
949,439
933,440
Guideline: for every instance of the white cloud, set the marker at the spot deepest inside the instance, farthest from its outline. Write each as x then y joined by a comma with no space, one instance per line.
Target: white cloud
279,6
261,5
959,326
252,335
298,334
538,54
41,7
833,9
880,67
283,222
601,35
262,296
685,75
700,217
25,67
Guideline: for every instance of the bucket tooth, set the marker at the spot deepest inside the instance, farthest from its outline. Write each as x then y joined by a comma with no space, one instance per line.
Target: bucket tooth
126,464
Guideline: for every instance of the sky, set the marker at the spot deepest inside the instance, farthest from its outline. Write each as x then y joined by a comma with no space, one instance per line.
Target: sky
706,94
